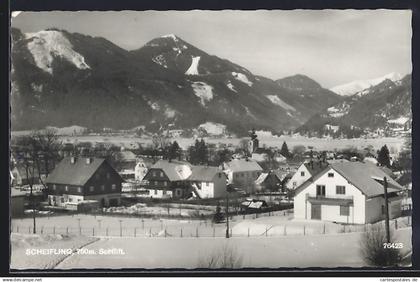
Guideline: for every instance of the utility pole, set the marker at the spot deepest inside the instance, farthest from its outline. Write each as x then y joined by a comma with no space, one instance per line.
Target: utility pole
227,213
388,239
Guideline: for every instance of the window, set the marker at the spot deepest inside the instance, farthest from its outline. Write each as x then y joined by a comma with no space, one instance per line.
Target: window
97,176
302,173
165,183
320,190
156,183
154,173
341,190
108,175
164,192
383,209
294,183
103,187
220,175
330,174
161,174
155,191
345,210
62,199
54,187
79,189
67,188
113,186
70,199
91,188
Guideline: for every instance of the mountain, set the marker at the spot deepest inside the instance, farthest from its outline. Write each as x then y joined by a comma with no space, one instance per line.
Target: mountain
353,87
62,79
384,108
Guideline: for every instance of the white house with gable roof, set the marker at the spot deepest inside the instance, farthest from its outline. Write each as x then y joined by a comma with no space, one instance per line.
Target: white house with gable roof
348,192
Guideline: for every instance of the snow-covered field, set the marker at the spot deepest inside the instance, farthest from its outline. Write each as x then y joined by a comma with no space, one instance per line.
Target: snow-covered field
317,143
262,252
161,243
22,256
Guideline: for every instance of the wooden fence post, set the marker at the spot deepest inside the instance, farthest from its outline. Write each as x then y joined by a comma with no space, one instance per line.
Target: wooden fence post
181,232
67,230
214,232
324,229
196,232
93,231
248,231
150,232
396,224
304,231
135,231
284,232
54,230
266,231
80,230
106,231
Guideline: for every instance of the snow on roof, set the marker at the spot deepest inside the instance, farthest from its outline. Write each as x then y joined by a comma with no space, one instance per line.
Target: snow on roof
77,173
261,178
362,176
238,165
204,173
400,120
174,170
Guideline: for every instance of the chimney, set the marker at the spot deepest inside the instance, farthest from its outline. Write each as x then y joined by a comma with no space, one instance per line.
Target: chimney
72,160
88,160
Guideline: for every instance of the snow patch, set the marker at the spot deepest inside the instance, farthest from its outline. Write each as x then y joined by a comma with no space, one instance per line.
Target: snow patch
231,87
193,69
400,120
359,85
242,78
155,106
338,111
203,91
248,112
171,36
47,44
213,128
160,60
279,102
169,113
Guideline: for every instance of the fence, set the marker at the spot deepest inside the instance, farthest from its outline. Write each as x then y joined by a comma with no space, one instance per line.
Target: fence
200,229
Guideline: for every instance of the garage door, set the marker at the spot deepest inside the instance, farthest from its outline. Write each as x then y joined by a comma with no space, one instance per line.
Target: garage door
315,211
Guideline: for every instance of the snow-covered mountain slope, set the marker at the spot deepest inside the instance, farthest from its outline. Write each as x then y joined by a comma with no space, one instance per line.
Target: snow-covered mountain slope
360,85
47,44
61,78
382,107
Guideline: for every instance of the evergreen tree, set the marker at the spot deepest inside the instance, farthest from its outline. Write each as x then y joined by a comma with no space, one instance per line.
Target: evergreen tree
383,157
285,150
174,151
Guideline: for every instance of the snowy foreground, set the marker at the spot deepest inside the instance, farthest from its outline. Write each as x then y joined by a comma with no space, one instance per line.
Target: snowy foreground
271,252
285,245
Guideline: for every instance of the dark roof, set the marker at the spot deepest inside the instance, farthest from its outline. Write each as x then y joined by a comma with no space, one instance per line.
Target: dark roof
77,173
315,167
204,173
367,178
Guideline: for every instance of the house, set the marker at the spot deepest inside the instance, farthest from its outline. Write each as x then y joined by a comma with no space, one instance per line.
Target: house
84,179
207,182
141,168
17,203
167,178
253,204
348,192
178,179
305,171
243,173
262,155
268,181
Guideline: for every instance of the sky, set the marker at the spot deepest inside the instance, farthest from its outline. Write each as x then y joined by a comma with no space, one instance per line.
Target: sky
330,46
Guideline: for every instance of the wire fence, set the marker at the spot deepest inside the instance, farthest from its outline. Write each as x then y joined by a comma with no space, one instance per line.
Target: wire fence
201,229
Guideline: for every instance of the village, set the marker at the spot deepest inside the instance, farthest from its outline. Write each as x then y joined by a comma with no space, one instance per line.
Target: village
205,191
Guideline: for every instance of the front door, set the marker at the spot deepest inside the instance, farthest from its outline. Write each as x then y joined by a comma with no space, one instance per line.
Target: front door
315,211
